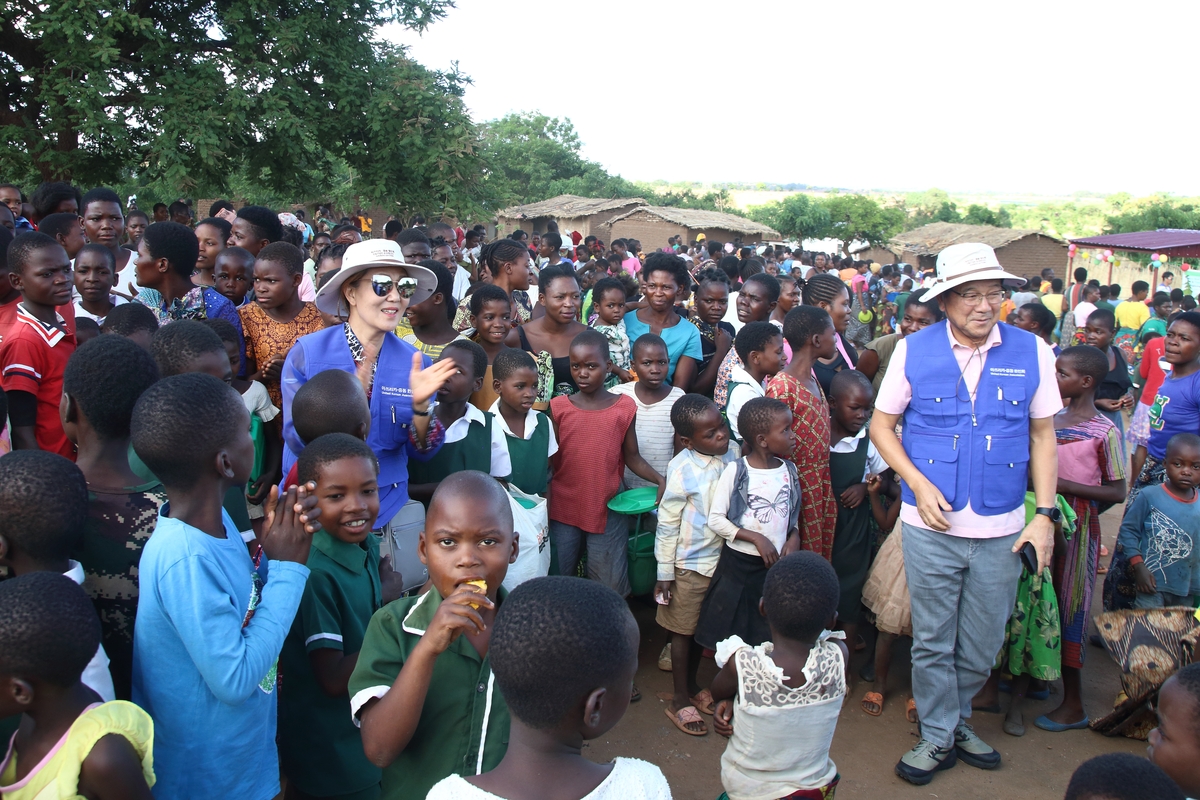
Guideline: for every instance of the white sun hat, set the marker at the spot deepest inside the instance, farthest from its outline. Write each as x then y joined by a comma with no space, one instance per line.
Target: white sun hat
967,262
362,256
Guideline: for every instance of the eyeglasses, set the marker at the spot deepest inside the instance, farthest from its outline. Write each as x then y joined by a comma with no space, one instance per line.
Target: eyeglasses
382,285
972,298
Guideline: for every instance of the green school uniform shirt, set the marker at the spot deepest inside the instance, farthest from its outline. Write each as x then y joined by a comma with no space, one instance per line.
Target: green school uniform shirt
474,451
464,723
531,458
320,747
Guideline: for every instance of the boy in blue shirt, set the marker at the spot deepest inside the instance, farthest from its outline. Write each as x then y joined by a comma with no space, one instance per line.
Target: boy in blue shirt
1159,530
210,624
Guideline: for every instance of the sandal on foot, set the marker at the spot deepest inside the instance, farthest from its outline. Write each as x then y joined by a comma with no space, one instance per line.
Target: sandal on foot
664,658
910,711
1103,551
703,702
684,717
635,695
872,703
1013,729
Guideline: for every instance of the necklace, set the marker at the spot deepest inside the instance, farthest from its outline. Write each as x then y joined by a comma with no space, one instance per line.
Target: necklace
962,377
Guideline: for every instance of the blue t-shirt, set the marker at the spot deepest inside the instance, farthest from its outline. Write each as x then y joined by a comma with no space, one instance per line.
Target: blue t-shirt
209,631
1176,409
1162,530
682,340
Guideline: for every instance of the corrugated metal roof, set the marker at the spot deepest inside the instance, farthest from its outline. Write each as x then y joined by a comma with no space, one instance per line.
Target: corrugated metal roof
1172,241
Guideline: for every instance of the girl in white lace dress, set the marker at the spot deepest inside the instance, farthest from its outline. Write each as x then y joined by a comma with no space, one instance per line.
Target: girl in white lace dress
783,697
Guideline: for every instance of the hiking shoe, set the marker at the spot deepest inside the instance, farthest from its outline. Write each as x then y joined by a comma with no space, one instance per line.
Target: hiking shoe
664,658
918,765
973,750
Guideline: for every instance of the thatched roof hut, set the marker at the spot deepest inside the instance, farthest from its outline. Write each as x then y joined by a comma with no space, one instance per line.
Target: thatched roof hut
653,225
571,212
1023,252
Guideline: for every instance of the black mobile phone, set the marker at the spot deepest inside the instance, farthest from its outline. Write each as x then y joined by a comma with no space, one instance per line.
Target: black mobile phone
1028,554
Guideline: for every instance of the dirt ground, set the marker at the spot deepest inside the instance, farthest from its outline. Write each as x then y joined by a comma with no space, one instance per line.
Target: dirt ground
1035,767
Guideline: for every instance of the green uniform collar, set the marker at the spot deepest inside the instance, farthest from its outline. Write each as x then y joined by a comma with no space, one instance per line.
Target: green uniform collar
351,556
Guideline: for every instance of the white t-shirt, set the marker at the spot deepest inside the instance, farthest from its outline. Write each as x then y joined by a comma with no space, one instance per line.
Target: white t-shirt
655,435
630,779
125,278
746,390
116,300
258,401
1082,311
462,282
875,463
769,512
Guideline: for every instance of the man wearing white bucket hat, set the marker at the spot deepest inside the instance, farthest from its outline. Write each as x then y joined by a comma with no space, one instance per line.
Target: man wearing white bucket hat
978,399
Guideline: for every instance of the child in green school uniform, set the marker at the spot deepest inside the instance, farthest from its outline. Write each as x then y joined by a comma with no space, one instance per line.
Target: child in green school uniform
422,690
320,747
472,442
529,433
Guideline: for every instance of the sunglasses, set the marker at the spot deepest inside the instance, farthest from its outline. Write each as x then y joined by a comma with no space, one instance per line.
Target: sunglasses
382,285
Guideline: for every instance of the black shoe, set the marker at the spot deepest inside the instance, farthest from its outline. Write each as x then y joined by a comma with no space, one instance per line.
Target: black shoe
918,765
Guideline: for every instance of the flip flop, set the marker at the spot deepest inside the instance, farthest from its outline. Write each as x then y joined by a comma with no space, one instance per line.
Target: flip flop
703,702
873,699
1047,724
1103,551
684,717
910,711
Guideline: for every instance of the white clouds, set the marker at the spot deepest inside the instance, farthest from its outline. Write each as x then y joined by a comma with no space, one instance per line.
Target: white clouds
1041,97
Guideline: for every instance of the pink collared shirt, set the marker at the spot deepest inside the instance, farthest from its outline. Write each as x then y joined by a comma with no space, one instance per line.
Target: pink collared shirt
895,393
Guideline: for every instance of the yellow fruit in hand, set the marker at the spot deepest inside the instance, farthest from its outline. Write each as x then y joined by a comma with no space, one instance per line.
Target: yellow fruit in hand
482,588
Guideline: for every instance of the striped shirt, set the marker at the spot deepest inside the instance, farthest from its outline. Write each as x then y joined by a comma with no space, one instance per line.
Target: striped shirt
656,437
683,539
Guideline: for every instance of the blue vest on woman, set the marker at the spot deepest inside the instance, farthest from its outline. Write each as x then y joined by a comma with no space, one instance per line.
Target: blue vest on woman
391,406
979,453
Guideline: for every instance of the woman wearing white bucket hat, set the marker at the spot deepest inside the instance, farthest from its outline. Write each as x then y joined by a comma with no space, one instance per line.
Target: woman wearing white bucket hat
371,292
978,398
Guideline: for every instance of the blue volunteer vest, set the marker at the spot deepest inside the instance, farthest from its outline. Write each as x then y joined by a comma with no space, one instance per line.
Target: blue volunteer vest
981,455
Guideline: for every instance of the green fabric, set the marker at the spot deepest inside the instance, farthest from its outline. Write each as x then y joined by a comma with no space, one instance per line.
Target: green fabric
851,555
320,747
1033,644
530,459
473,451
463,713
1068,513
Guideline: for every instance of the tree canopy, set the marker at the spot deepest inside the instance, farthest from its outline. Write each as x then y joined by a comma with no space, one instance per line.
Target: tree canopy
796,216
190,94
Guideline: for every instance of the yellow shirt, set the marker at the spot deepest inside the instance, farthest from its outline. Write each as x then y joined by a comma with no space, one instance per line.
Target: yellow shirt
1132,314
1054,303
57,777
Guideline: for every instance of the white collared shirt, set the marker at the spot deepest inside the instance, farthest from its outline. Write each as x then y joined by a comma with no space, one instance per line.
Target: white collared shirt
746,390
875,463
457,431
531,421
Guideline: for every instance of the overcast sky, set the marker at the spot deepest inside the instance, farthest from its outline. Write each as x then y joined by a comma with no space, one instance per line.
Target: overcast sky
1044,97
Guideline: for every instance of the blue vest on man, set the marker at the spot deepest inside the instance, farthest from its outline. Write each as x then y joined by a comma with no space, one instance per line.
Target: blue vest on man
971,451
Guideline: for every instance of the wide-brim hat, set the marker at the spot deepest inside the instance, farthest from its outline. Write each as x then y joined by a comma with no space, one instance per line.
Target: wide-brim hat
968,262
371,254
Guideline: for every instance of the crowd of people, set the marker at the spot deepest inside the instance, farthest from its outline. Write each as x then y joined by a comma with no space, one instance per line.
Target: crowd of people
220,432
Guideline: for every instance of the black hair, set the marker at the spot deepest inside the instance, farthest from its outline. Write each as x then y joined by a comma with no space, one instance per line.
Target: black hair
43,504
157,206
917,298
750,267
240,253
86,329
329,252
47,196
176,243
481,490
129,318
329,448
1043,316
1089,361
509,360
183,421
105,377
1168,274
550,274
264,221
555,640
137,212
59,224
338,230
391,228
757,414
732,269
176,346
320,234
842,380
1114,290
322,405
1080,274
495,255
478,356
821,288
223,328
1139,286
687,410
445,284
1056,285
711,275
100,194
220,224
101,251
473,233
1104,318
1160,298
411,236
488,293
769,282
753,338
290,256
218,206
1176,295
24,245
800,594
648,340
1188,303
804,322
49,630
1121,776
553,238
1188,677
179,207
591,338
607,285
418,219
1184,440
659,261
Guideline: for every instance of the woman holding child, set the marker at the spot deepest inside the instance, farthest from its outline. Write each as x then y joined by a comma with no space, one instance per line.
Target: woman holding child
371,291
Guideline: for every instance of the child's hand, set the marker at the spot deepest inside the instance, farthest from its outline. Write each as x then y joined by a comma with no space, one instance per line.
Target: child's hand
391,582
424,382
766,549
853,497
662,589
723,718
455,616
1143,579
274,366
792,544
291,522
874,484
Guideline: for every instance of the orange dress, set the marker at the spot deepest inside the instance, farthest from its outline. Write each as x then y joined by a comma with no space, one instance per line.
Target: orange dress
810,423
266,338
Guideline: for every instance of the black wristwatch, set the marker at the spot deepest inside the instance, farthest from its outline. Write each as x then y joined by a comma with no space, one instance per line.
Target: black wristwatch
1054,514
